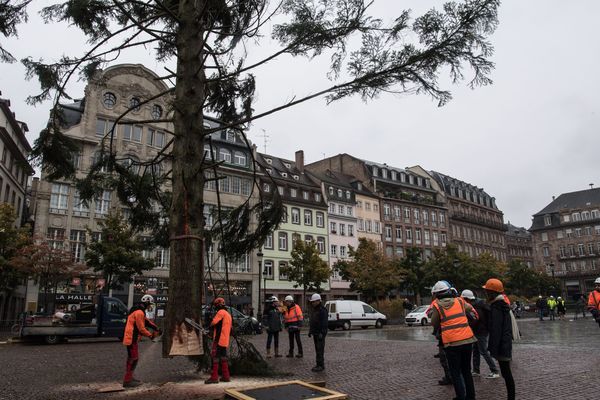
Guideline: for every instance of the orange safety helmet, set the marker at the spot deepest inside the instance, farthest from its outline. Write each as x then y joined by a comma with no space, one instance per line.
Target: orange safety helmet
495,285
219,301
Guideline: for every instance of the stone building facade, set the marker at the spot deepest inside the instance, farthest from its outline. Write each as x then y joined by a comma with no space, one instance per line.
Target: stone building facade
476,224
566,240
412,213
519,245
15,171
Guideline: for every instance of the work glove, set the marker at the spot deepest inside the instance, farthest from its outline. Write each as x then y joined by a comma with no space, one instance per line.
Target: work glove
154,335
159,332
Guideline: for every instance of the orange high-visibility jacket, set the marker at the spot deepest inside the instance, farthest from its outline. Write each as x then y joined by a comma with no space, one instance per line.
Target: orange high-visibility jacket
222,324
135,327
293,314
594,300
454,324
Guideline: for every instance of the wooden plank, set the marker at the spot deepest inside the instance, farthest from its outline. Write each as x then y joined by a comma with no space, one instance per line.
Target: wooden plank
330,394
111,388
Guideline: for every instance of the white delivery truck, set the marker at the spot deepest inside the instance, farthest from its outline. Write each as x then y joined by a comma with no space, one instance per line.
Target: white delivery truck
348,313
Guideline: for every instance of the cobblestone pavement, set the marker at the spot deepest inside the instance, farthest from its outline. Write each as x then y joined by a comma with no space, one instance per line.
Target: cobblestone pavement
556,360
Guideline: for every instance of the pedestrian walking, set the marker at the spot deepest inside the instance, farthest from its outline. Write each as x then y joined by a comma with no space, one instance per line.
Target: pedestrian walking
221,326
561,309
272,321
500,332
481,333
293,322
449,317
540,304
318,330
580,305
407,306
552,308
594,301
137,326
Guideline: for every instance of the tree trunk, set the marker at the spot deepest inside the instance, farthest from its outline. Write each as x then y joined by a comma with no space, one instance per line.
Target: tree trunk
186,276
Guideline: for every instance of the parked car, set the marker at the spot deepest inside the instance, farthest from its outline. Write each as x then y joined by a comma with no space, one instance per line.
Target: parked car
418,316
242,323
348,313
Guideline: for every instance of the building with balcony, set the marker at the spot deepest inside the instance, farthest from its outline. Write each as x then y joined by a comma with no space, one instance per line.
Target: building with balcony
15,171
519,245
412,212
305,218
476,224
566,240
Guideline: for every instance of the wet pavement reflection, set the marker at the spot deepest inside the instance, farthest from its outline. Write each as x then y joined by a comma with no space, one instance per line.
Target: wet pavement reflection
579,333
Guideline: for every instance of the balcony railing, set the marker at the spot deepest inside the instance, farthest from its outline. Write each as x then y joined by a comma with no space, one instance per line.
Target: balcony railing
478,221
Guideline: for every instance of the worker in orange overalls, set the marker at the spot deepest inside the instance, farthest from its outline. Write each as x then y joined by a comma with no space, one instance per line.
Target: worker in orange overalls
594,301
137,326
293,322
449,317
221,325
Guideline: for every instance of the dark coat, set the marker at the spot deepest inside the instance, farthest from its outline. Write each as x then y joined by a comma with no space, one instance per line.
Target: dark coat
500,329
480,326
272,319
319,320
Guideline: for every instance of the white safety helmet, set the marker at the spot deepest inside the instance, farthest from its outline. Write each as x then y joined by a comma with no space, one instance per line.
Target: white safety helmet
274,299
289,298
467,294
440,286
147,299
315,297
597,281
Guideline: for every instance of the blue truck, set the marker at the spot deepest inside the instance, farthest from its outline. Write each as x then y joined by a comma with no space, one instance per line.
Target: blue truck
105,318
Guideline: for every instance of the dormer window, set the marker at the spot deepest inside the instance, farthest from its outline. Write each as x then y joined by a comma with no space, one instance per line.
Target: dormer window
231,137
287,165
284,174
339,192
269,161
268,170
348,194
134,104
296,177
394,175
157,111
330,191
384,173
375,171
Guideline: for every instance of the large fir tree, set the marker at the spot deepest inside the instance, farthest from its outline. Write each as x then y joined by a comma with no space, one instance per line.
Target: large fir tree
206,39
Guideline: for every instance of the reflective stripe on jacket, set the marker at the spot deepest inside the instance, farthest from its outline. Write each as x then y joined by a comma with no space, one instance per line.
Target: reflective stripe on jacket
136,326
594,301
293,314
454,325
222,324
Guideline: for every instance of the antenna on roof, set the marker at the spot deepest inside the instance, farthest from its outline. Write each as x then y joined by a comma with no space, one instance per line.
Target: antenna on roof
264,136
591,185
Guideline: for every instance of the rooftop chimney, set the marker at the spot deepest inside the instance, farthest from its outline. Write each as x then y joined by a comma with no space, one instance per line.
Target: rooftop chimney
300,160
553,197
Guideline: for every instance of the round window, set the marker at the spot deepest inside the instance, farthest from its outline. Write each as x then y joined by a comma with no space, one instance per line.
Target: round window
110,100
157,111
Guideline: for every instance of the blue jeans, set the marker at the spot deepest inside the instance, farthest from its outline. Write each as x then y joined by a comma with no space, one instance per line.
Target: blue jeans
459,361
480,349
552,313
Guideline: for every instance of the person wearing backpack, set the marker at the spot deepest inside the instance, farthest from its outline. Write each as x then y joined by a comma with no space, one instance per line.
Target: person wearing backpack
500,329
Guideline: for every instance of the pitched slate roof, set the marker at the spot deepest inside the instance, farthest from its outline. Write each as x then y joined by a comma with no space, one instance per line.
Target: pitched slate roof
572,200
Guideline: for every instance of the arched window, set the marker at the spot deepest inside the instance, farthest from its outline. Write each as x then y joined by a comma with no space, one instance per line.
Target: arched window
110,100
225,155
240,158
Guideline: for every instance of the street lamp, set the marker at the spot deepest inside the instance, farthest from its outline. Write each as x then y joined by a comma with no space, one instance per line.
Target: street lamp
259,256
552,271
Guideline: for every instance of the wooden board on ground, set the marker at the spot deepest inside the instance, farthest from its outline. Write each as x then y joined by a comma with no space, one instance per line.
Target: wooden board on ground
111,388
291,390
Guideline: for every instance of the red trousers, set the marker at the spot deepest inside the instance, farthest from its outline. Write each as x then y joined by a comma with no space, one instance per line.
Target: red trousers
219,353
132,360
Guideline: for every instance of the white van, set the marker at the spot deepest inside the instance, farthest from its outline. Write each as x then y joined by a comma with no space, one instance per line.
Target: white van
348,313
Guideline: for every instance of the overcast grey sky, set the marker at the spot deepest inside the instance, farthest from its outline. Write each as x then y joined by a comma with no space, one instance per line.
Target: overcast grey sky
531,135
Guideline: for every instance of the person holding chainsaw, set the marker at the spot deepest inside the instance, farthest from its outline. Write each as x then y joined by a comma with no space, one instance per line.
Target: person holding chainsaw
137,326
221,325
